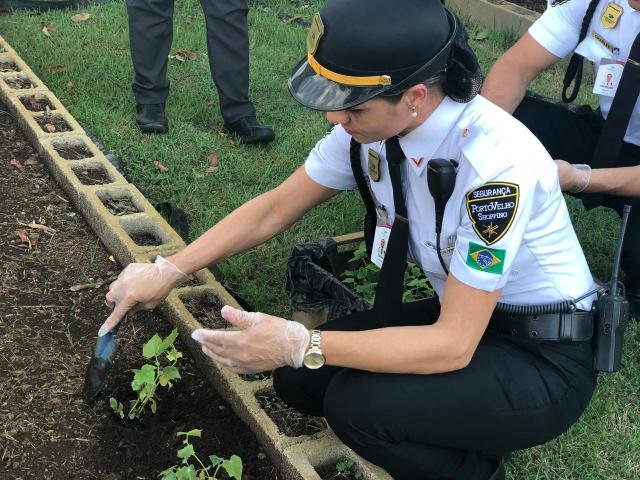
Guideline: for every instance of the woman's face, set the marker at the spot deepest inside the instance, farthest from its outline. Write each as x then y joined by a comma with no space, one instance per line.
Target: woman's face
375,120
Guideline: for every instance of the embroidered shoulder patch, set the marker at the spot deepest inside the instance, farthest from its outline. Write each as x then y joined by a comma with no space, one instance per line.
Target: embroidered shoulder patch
492,208
490,260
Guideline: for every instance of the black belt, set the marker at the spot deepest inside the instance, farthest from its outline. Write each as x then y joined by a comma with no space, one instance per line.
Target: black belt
555,327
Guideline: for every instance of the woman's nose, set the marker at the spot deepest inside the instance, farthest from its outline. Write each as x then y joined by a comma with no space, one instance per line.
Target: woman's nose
340,116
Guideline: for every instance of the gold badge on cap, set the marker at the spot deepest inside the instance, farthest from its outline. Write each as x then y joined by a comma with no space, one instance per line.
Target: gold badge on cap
373,165
611,15
316,30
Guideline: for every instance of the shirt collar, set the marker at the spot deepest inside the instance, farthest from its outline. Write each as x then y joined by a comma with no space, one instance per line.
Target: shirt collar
421,144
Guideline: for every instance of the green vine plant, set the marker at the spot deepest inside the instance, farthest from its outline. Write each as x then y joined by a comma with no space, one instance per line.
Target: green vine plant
188,471
363,278
160,372
346,470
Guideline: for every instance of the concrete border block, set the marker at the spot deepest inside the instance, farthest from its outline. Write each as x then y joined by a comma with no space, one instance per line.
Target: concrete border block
304,458
495,14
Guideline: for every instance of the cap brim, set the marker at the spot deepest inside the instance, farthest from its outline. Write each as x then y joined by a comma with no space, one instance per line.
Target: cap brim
319,93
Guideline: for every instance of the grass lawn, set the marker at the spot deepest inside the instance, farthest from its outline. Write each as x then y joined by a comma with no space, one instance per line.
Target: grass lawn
87,66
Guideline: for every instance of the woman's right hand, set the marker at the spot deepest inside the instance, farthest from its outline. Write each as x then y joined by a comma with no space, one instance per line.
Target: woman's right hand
140,285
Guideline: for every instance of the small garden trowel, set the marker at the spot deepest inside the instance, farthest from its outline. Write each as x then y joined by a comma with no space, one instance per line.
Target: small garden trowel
100,364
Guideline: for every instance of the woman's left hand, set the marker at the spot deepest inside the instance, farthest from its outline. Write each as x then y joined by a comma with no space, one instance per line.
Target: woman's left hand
262,343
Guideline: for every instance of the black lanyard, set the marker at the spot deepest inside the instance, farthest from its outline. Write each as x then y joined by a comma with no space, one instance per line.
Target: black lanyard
391,284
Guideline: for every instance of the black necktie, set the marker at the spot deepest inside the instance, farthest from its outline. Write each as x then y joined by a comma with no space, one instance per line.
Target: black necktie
391,284
612,135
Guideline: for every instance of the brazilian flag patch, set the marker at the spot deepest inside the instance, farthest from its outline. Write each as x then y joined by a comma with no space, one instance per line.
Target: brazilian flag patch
490,260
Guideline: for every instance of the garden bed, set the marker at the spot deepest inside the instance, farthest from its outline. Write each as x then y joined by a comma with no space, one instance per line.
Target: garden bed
53,276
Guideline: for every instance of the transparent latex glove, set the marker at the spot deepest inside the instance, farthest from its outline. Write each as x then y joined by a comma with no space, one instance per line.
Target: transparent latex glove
261,343
574,178
141,286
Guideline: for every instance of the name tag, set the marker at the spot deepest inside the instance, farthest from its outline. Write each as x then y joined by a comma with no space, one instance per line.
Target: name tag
608,77
380,243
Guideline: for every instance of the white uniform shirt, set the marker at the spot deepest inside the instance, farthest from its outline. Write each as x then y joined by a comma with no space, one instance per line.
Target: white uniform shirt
558,30
536,260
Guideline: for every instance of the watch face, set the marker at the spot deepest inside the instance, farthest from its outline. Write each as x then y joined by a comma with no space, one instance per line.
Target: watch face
313,360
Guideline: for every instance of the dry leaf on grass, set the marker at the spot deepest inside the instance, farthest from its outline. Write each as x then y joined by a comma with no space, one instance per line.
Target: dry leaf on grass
213,163
56,68
80,17
16,164
161,168
47,29
30,239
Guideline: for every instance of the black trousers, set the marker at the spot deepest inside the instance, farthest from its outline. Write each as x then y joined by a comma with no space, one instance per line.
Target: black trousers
514,394
571,135
150,36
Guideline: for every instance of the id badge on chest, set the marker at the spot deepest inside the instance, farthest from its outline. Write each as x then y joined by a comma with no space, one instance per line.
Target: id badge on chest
380,243
608,77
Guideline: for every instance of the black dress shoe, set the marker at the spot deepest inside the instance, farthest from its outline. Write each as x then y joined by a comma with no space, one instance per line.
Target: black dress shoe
150,118
249,131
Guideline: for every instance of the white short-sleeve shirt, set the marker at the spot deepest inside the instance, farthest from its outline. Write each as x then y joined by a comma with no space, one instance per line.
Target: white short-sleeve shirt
558,30
506,224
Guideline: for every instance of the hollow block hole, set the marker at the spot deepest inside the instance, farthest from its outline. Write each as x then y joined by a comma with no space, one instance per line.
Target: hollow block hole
344,469
53,123
146,239
36,103
255,377
289,421
72,151
19,82
92,176
8,66
119,205
205,309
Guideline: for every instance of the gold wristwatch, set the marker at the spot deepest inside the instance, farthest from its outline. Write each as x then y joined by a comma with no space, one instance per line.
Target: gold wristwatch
313,357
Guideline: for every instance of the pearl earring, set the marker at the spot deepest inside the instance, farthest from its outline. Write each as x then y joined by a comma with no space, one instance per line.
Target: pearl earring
414,114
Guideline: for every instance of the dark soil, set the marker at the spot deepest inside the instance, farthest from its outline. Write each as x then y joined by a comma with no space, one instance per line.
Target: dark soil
535,5
206,310
8,67
330,472
146,239
92,176
290,422
47,334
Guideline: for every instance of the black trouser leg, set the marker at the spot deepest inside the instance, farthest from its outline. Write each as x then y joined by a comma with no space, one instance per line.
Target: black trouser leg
514,394
228,49
150,36
572,136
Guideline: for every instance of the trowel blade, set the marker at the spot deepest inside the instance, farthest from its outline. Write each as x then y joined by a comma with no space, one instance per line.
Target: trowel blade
99,364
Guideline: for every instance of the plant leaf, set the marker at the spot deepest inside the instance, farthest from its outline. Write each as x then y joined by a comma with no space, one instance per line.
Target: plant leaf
233,467
482,35
215,460
168,341
186,452
153,347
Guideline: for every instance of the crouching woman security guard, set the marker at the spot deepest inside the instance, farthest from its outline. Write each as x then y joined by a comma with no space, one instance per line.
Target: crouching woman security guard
443,388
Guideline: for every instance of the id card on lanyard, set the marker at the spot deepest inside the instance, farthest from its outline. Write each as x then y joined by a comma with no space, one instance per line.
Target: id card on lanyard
608,77
380,244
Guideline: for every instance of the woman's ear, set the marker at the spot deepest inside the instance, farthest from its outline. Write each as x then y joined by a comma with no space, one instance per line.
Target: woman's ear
417,94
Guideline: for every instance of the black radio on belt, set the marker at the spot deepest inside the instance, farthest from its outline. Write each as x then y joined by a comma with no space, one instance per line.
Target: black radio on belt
612,314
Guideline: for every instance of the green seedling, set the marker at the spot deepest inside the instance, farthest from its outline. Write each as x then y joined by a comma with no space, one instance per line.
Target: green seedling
363,279
188,471
346,469
146,380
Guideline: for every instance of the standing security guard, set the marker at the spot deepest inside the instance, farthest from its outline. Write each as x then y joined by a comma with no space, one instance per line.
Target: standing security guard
150,36
607,34
442,388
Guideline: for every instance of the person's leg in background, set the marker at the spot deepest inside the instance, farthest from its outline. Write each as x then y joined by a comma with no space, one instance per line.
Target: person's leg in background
150,37
228,49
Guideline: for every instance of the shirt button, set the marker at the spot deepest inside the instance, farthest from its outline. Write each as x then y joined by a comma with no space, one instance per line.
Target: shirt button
465,133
